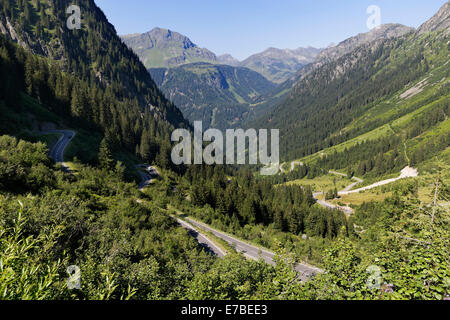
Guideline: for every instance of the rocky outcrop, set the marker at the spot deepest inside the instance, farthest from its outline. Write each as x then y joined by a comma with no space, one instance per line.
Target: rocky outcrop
7,29
14,31
440,21
381,33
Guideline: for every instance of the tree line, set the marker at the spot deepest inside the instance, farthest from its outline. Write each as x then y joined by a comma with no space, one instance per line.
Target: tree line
244,200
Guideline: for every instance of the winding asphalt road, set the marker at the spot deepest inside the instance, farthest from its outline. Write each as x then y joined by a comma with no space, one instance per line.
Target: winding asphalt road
253,252
328,205
147,176
250,251
407,172
207,244
57,151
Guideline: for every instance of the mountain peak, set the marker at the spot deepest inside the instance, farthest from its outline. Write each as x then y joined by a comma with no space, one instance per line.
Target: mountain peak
228,59
166,33
161,47
389,30
440,21
162,38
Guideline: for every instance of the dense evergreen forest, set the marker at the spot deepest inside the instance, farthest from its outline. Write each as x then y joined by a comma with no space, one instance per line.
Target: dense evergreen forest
94,53
129,249
247,201
119,100
219,95
322,104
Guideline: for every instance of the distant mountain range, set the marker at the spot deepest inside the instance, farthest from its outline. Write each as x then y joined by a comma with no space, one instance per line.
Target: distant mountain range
318,97
162,48
273,98
278,65
363,89
219,89
381,33
333,53
229,60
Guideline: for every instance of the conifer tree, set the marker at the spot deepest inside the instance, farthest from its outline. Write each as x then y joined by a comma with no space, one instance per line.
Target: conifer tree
105,158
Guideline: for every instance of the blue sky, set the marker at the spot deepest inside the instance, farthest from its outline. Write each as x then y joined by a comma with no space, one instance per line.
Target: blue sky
245,27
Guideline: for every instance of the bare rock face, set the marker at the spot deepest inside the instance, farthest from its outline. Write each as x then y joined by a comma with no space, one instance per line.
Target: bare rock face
9,31
2,28
30,43
228,60
372,39
383,32
440,21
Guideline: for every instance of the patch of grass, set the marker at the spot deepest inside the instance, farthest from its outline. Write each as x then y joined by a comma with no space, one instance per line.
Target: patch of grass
41,114
357,199
84,147
74,167
49,139
323,183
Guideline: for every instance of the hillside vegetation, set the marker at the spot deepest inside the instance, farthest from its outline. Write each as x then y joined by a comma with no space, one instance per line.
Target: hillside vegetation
83,78
218,95
370,113
373,111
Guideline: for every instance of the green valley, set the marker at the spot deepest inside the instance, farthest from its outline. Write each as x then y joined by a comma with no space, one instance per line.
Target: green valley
93,205
219,95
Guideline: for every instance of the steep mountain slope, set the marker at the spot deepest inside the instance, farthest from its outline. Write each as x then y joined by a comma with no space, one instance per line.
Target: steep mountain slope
94,53
266,103
88,78
160,48
326,105
216,94
440,21
278,65
382,33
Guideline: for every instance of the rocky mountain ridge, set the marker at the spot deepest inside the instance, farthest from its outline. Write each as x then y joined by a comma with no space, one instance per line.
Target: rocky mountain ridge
440,21
161,48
